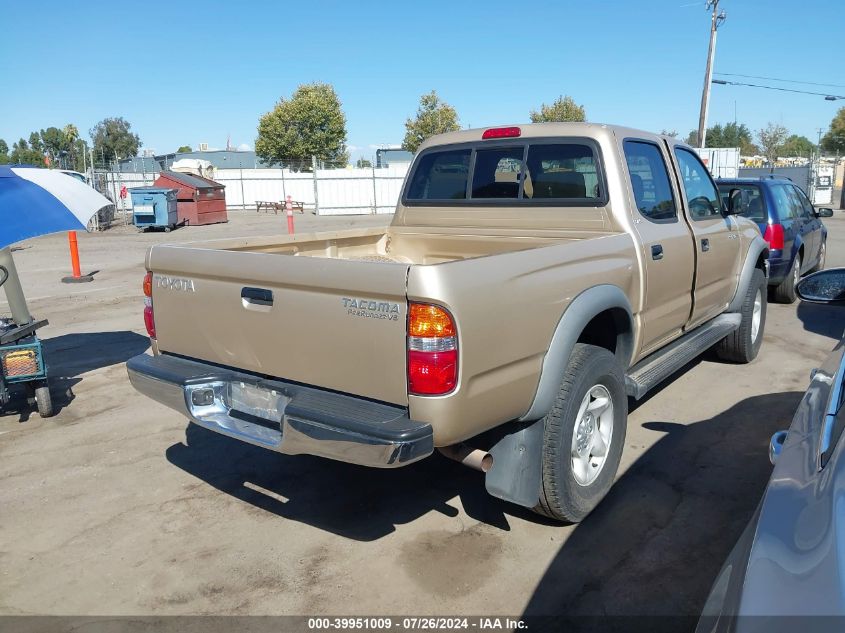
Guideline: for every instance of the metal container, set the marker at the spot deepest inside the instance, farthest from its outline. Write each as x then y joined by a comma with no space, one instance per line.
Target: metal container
200,200
155,207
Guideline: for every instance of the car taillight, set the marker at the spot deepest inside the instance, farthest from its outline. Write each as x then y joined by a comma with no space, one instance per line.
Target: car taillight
432,350
149,319
774,236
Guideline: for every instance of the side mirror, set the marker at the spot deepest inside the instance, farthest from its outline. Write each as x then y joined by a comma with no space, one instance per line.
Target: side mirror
825,286
824,213
734,202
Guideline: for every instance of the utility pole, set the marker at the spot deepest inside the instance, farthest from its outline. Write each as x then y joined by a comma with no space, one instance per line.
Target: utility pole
715,22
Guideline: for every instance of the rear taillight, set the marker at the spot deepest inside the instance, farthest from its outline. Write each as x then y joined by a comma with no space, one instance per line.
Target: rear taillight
432,350
774,236
149,320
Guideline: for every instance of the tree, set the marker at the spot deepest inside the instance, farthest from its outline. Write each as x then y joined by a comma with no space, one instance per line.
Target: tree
23,154
771,138
433,117
55,145
563,109
113,139
184,149
310,123
692,138
834,140
35,143
672,133
4,152
798,146
363,163
78,151
71,133
731,135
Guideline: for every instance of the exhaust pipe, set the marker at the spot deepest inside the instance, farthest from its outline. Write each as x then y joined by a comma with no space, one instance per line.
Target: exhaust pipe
468,456
12,286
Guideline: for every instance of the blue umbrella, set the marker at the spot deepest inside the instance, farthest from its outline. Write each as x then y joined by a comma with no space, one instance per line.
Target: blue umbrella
36,202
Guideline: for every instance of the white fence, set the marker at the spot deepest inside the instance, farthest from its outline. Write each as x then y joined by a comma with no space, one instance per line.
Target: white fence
327,191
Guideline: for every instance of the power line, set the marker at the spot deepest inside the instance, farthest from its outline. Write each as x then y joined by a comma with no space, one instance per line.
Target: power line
791,81
826,95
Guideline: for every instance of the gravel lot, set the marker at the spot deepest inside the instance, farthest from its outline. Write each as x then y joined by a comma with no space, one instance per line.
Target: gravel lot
116,507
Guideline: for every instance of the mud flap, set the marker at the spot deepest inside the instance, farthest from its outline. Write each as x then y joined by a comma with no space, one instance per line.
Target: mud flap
516,472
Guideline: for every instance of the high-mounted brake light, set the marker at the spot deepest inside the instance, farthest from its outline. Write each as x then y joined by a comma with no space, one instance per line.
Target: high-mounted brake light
432,350
501,132
774,236
149,319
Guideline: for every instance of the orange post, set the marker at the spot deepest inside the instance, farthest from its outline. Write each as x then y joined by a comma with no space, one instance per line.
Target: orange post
77,276
74,253
289,212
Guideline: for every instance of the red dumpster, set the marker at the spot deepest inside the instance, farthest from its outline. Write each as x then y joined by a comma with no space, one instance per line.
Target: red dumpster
199,200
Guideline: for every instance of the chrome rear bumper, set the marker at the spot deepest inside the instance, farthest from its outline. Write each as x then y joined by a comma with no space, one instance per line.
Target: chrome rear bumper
284,417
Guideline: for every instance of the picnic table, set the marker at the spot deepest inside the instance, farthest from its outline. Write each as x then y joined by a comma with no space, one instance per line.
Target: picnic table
297,206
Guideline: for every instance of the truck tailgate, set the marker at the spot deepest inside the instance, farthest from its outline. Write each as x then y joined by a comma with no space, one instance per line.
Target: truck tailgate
330,323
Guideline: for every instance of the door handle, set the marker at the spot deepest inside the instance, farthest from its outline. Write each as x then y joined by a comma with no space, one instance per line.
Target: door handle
705,245
657,251
257,296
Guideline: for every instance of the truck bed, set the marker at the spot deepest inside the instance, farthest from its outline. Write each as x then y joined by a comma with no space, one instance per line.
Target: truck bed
388,245
336,318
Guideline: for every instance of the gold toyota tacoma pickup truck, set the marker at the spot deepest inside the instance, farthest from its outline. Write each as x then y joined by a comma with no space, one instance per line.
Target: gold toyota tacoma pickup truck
533,278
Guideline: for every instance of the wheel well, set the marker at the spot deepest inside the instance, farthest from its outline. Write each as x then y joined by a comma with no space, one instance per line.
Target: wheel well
611,330
761,259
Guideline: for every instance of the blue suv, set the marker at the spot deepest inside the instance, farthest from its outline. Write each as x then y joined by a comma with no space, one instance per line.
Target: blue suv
788,222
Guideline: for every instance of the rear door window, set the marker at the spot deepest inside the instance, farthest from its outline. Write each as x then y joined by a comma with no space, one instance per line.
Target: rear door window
497,172
650,181
785,203
441,176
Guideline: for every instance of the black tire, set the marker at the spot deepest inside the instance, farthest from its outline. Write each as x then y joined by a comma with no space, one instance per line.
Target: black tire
43,399
784,292
822,256
562,497
739,346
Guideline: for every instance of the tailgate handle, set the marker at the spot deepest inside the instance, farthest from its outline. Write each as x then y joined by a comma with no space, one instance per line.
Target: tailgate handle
257,296
657,251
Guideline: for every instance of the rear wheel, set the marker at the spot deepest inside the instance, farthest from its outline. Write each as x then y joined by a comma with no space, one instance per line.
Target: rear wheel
743,344
784,292
583,435
43,399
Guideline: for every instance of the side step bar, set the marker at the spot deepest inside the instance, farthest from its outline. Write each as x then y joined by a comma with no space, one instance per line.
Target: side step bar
654,369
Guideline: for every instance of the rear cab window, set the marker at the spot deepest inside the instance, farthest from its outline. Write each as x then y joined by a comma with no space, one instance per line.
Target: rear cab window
752,204
441,176
522,172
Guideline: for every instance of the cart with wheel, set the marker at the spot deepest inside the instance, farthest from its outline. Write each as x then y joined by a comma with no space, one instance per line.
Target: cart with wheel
22,361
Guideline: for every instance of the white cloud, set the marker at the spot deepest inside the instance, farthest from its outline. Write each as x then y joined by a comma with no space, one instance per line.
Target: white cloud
244,147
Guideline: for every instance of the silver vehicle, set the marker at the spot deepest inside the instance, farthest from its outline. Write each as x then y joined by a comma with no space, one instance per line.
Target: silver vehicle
787,571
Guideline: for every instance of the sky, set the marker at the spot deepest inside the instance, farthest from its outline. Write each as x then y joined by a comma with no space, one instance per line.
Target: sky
184,73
